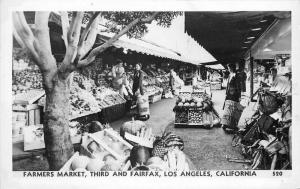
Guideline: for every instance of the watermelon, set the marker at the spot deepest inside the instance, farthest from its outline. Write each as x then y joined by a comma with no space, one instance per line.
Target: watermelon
139,155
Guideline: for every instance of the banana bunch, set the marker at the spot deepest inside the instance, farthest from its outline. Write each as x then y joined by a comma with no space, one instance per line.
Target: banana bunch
176,160
146,134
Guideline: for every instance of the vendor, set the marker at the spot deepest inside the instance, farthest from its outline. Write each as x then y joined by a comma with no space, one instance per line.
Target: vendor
120,81
138,80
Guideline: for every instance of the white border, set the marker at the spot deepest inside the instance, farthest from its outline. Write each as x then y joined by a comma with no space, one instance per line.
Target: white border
7,179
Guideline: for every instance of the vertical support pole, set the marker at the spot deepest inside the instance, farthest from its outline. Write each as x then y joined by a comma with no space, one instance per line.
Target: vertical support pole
251,76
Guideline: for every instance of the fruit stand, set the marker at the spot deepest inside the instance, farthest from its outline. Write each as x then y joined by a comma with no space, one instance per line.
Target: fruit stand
107,150
195,109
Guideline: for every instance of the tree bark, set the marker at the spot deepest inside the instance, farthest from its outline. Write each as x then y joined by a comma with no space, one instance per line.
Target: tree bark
59,147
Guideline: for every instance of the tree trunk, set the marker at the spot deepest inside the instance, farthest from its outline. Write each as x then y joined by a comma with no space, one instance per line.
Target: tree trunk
59,147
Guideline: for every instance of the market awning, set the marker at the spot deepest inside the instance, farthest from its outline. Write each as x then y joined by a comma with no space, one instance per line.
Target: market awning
215,67
141,46
276,40
228,35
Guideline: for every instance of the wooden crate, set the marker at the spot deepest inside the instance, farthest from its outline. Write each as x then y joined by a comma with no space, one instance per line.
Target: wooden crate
34,137
32,112
98,138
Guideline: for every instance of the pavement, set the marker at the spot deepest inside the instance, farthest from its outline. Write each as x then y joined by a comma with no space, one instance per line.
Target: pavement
207,148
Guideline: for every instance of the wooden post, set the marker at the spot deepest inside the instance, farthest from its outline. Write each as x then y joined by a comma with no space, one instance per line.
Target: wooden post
251,76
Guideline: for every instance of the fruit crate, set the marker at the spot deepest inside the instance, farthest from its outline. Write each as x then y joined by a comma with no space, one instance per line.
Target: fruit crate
34,137
105,145
113,113
181,117
33,113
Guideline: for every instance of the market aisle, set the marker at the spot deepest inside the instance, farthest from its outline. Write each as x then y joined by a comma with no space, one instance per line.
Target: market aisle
161,116
207,148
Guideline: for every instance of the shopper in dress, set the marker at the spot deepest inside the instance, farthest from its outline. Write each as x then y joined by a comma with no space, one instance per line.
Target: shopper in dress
232,108
137,87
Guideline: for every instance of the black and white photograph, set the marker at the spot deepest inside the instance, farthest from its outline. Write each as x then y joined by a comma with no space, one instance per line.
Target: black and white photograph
150,93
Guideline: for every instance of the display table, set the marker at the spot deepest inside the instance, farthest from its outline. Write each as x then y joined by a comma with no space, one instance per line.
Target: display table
195,109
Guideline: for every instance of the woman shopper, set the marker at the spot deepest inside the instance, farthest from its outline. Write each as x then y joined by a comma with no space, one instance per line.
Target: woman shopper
138,80
138,91
232,107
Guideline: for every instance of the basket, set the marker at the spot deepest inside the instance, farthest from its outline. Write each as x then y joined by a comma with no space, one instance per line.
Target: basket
268,103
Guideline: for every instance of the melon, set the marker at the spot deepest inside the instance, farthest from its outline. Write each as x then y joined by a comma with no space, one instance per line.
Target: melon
199,104
180,104
95,164
186,104
193,104
139,155
80,162
117,147
113,166
100,155
109,159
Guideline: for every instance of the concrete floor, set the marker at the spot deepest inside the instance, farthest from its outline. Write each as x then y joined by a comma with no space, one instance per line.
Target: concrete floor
206,148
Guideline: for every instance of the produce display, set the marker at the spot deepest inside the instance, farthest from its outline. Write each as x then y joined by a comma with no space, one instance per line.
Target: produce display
191,107
106,150
25,80
195,116
181,117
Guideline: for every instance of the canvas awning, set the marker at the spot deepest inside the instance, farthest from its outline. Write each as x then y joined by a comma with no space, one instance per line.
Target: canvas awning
143,47
229,35
215,67
276,40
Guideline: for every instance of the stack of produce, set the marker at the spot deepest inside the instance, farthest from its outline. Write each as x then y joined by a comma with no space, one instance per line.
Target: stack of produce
166,155
152,90
82,102
25,80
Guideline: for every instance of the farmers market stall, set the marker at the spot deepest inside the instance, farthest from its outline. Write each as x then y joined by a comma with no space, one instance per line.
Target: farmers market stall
134,148
195,108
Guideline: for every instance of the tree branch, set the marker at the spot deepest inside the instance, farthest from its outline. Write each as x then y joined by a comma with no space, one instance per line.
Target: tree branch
91,57
71,50
92,20
88,37
65,27
24,33
149,19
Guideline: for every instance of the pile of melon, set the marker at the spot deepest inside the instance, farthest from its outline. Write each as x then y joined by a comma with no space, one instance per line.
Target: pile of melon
190,102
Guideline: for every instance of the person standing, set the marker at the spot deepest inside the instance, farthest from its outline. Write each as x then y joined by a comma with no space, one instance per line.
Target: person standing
232,108
138,80
118,73
242,76
172,81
